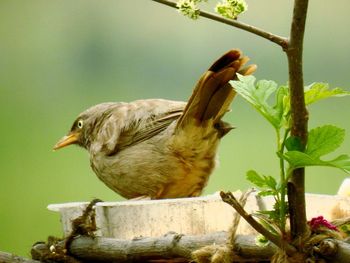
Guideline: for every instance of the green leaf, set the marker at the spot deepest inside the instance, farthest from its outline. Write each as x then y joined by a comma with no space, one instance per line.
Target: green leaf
278,115
293,143
345,228
342,162
323,140
319,91
261,241
270,182
258,96
255,178
299,159
282,106
262,181
267,193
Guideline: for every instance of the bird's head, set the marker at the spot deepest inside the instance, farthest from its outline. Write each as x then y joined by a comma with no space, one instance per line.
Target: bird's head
85,127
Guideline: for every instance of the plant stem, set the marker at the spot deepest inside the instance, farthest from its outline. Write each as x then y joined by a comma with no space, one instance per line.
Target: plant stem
281,41
299,116
280,146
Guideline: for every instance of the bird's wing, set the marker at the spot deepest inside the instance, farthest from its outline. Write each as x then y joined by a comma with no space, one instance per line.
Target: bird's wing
136,122
150,127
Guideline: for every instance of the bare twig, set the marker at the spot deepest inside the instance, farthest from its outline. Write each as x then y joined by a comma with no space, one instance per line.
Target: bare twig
237,218
281,41
296,184
341,221
277,240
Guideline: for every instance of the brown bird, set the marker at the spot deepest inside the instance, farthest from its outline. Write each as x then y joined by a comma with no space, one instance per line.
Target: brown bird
160,148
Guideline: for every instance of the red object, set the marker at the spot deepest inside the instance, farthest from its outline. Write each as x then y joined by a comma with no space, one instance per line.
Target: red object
316,222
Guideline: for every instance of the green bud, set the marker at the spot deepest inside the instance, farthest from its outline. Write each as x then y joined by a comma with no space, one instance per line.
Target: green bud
231,8
189,8
261,241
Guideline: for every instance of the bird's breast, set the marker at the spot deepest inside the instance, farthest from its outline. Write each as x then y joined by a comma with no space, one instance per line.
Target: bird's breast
166,166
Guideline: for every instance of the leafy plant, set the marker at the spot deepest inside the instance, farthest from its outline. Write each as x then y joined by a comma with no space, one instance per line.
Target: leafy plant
290,152
288,115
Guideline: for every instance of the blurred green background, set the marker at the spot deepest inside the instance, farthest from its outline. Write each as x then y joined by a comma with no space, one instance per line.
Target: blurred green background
59,57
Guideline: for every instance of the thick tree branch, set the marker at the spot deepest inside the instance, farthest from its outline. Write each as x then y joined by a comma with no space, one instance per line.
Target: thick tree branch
11,258
296,184
281,41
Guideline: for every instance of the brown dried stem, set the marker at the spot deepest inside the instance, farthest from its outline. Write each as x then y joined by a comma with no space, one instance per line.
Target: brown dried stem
277,240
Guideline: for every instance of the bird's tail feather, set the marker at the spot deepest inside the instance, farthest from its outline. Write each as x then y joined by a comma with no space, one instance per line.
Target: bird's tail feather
213,94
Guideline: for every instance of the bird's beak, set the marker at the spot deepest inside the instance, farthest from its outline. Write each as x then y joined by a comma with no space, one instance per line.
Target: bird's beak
67,140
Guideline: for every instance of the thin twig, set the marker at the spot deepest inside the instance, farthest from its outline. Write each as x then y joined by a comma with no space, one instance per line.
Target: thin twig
231,200
281,41
233,230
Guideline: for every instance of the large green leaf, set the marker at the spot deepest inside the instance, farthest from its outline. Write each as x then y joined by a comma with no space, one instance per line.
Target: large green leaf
258,96
315,92
299,159
319,91
323,140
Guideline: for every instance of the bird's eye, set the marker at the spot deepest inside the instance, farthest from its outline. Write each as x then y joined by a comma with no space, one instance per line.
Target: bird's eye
80,124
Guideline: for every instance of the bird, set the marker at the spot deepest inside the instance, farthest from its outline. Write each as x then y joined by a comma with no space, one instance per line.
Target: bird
158,148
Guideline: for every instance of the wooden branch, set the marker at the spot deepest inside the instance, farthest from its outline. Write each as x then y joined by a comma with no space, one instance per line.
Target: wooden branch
335,251
231,200
299,114
342,252
172,245
11,258
281,41
177,247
